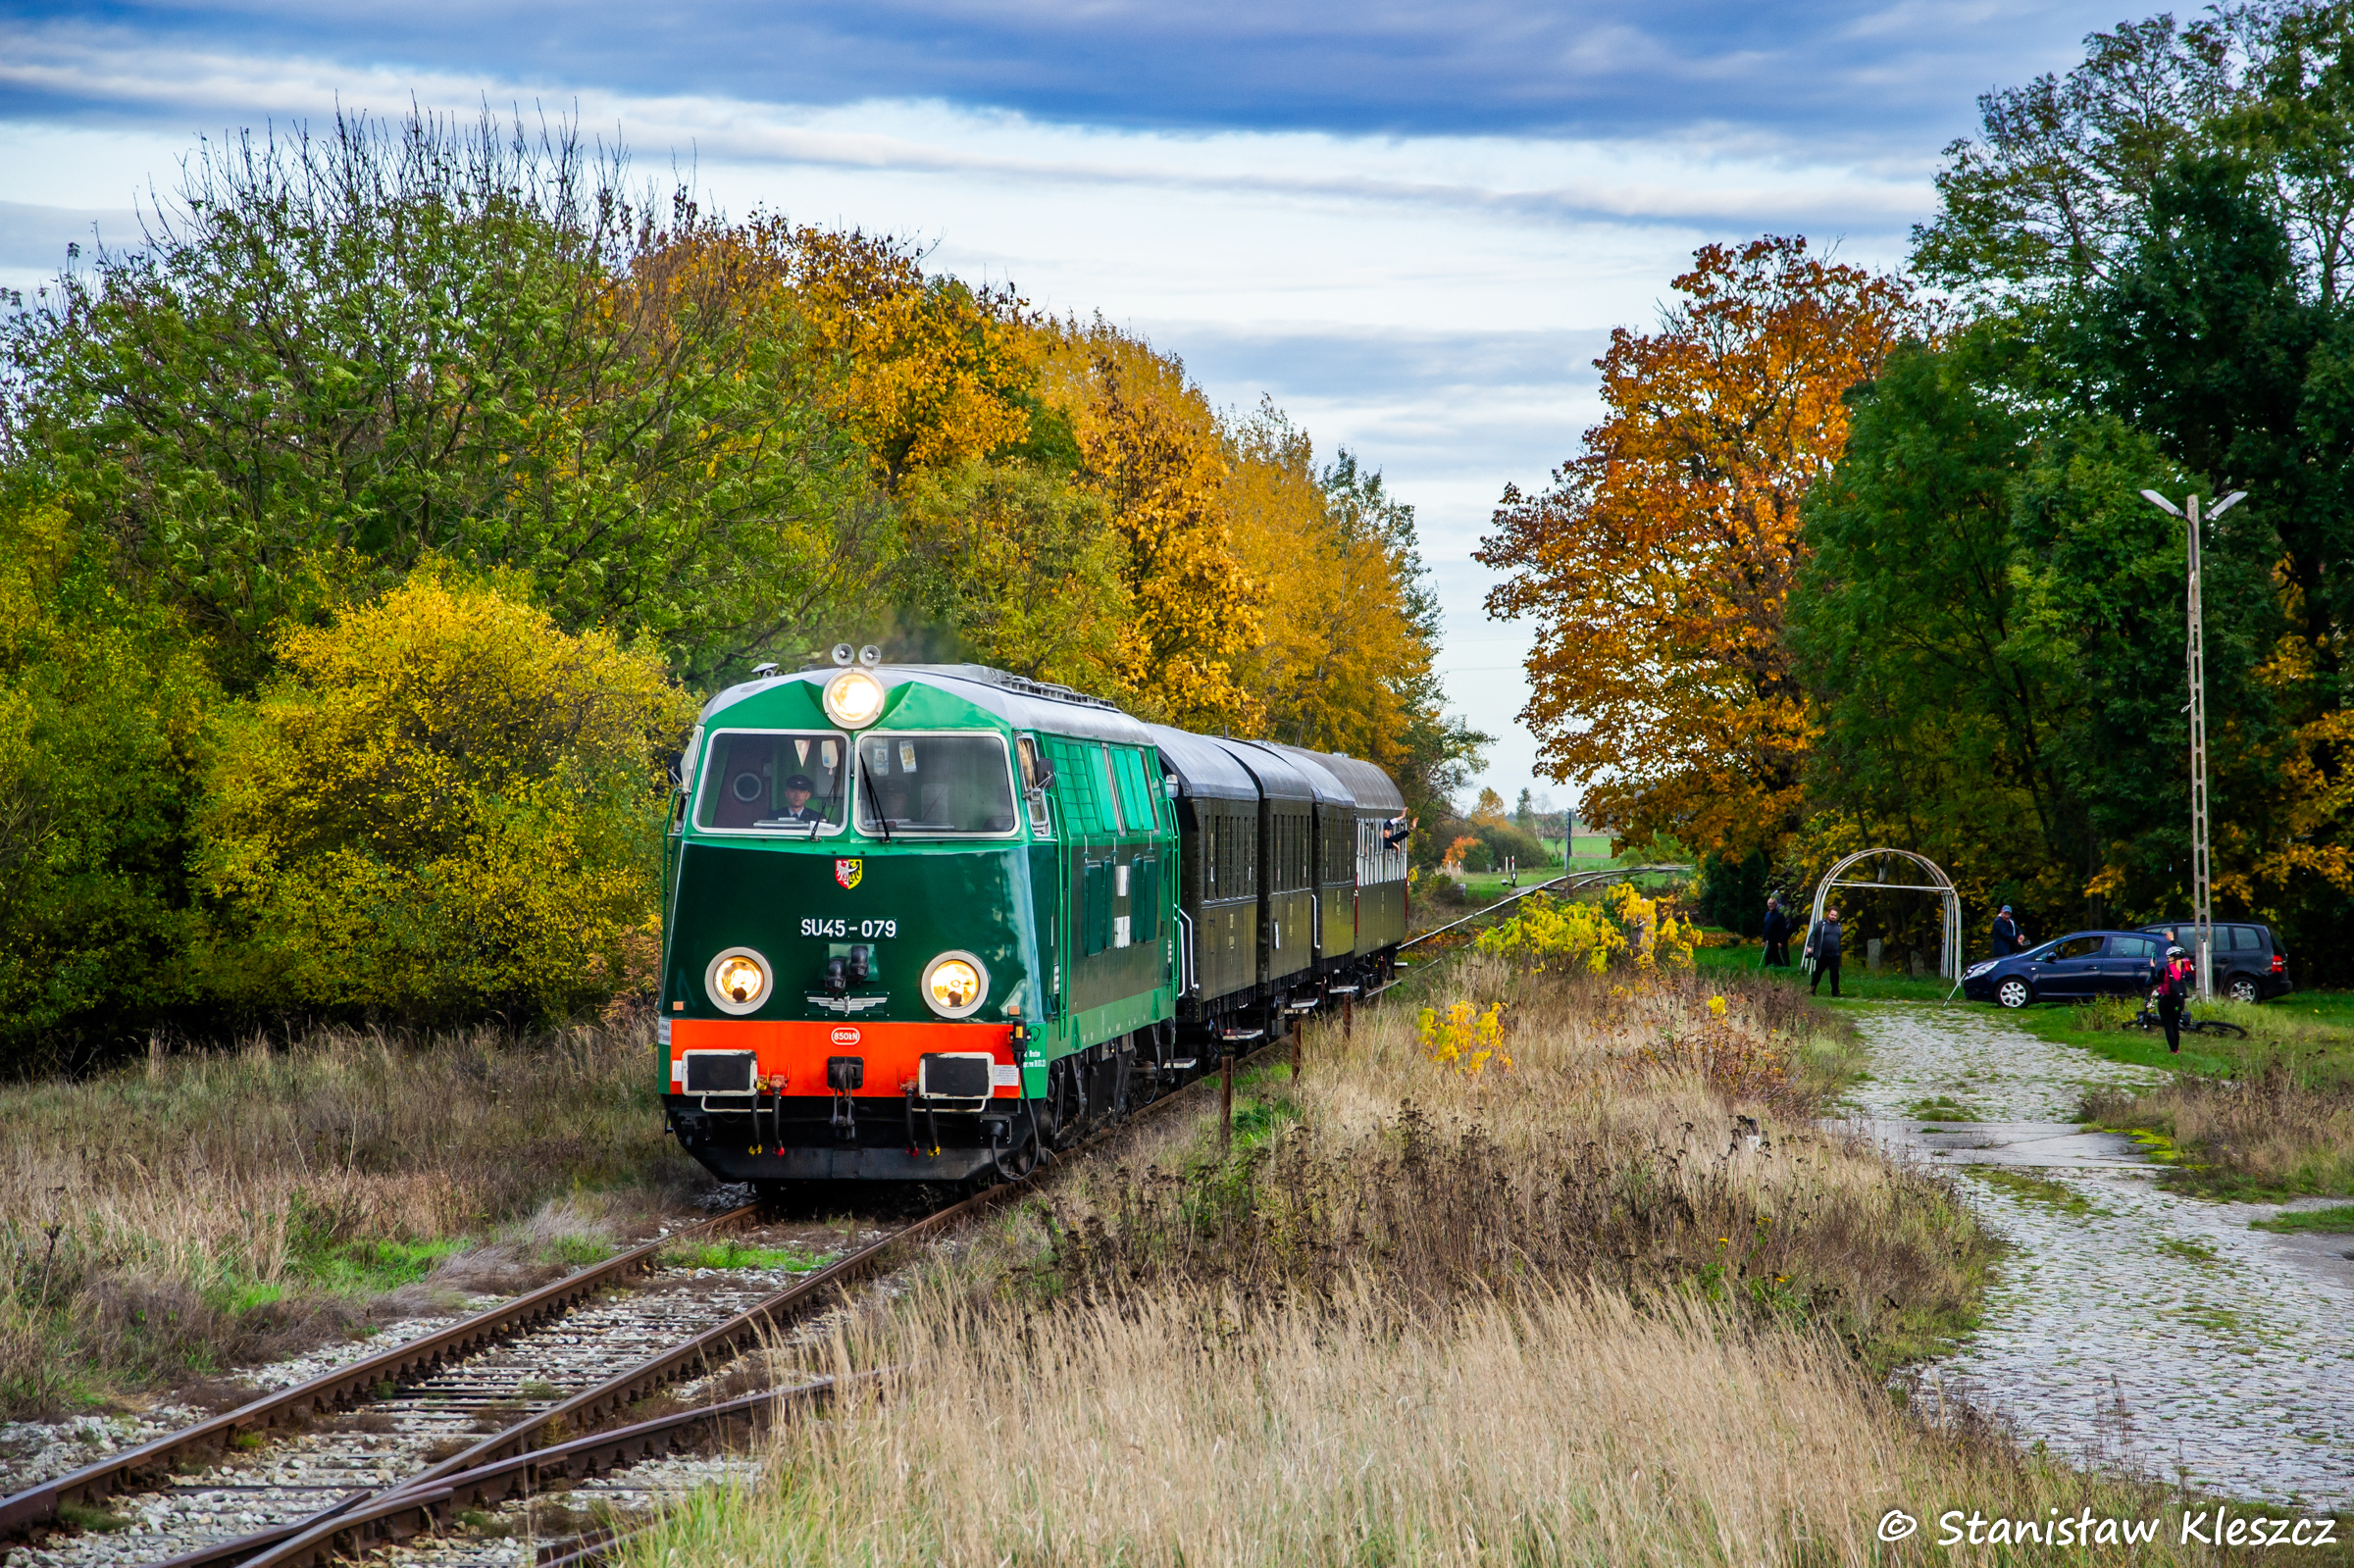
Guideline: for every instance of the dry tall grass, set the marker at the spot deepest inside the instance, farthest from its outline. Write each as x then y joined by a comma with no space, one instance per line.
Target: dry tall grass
206,1209
2277,1122
1568,1427
1579,1311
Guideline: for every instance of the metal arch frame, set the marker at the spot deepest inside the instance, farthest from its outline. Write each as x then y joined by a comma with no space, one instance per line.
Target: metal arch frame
1949,963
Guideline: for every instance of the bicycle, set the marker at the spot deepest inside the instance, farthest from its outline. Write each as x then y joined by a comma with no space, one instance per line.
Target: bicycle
2148,1019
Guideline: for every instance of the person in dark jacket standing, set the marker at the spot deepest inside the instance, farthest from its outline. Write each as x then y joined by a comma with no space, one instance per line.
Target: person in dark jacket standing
2005,934
1777,935
1822,946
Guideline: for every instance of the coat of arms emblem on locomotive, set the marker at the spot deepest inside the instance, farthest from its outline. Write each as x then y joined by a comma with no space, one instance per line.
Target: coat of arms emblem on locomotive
847,872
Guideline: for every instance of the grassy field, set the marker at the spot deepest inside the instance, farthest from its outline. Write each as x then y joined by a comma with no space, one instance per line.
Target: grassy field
1856,981
163,1224
1557,1304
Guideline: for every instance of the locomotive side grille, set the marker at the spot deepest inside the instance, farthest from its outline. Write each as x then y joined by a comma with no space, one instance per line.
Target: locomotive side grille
954,1075
719,1072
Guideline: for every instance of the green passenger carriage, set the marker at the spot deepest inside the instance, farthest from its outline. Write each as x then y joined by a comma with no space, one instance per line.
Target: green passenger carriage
927,922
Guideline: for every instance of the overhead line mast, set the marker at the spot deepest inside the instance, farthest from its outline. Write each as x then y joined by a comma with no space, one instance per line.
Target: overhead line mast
2202,881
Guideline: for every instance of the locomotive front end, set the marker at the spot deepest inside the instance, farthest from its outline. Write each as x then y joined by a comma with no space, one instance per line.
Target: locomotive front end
851,954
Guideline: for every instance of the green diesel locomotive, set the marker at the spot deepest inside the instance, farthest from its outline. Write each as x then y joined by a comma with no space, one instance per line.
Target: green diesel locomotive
926,923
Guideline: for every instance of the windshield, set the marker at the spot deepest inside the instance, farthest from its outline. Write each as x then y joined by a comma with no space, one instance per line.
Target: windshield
773,781
934,785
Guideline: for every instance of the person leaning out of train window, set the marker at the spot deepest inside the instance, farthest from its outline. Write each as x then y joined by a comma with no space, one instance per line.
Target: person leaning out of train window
798,790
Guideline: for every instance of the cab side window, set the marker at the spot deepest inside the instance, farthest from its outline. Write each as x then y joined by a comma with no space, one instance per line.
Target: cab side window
2077,947
1135,796
1082,787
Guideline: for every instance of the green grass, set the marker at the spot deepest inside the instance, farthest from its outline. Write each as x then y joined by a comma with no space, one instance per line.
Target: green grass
1943,1109
2336,1219
2030,1186
2090,1026
2189,1251
90,1517
1856,982
732,1254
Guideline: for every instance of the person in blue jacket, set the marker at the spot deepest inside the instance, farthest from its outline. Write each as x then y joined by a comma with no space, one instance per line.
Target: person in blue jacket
2007,940
1822,946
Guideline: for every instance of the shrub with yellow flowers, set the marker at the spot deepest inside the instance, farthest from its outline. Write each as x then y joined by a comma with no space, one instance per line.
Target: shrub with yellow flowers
1626,926
1463,1038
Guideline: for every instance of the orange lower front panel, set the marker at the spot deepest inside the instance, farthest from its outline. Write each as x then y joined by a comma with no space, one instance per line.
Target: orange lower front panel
798,1050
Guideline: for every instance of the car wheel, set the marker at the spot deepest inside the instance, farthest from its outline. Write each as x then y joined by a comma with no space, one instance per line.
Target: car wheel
2015,992
2244,990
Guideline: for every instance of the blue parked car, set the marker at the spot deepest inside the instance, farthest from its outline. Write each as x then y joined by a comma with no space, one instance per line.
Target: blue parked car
2079,966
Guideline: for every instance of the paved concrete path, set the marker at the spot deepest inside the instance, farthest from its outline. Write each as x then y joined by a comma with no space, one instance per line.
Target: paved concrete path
2131,1324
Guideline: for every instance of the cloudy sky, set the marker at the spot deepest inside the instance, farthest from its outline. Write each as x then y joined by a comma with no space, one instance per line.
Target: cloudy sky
1414,226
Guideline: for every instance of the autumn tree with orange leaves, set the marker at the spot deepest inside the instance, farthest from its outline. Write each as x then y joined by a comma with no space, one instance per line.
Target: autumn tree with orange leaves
1659,565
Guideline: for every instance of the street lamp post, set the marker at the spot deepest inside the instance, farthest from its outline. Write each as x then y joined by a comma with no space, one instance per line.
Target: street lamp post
2202,908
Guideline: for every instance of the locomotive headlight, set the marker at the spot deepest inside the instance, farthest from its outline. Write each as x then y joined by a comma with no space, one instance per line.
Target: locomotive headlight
955,984
853,698
737,980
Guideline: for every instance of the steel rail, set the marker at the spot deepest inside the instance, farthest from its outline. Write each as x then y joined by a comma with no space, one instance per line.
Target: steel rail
140,1469
1581,878
394,1514
378,1516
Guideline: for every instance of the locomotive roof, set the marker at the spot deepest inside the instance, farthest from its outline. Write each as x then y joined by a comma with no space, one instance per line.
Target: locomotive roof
1278,779
1023,704
1374,789
1330,791
1204,770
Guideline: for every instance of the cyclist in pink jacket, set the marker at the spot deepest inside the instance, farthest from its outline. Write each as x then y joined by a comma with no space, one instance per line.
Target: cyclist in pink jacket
2174,989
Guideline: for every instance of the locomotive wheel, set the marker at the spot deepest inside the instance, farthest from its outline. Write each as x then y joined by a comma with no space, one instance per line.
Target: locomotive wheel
1065,1105
1145,1085
1022,1159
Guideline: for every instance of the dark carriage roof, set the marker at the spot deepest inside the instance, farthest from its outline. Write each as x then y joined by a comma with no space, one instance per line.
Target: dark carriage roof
1374,789
1278,776
1204,770
1329,791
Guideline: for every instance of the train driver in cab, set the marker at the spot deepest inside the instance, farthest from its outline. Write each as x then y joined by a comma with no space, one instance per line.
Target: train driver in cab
798,790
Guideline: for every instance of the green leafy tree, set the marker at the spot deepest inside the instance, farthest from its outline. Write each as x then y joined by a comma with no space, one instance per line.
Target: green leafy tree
104,700
334,357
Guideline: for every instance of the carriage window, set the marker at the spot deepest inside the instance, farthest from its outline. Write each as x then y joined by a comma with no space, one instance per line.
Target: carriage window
772,780
934,785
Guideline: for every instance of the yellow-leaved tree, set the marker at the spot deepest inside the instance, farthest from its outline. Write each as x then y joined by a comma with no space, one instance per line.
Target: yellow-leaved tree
1343,661
1659,565
444,806
1152,448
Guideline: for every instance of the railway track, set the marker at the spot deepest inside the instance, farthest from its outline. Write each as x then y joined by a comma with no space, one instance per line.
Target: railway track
511,1404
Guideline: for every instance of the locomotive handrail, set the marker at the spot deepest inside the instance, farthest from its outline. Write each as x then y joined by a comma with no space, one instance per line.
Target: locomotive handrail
1582,879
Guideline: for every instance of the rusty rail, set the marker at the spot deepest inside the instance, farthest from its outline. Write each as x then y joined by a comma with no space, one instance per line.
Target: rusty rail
140,1469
